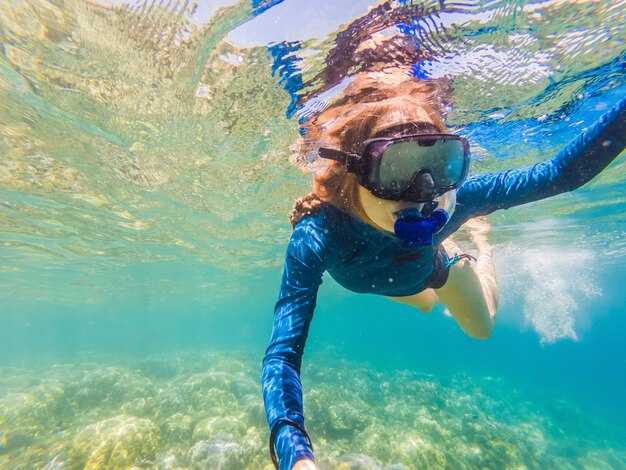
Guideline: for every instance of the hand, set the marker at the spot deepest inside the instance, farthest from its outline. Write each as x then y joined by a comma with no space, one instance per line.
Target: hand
304,465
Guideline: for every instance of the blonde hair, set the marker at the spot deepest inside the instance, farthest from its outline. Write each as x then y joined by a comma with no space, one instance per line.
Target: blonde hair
371,103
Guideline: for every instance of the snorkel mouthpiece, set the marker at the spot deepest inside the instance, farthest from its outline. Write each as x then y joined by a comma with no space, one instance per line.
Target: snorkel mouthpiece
413,229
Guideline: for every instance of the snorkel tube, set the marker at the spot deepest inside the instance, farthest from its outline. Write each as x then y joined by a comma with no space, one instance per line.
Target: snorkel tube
416,226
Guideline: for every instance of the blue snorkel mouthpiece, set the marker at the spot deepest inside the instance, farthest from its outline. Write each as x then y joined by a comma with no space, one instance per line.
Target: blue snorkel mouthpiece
413,229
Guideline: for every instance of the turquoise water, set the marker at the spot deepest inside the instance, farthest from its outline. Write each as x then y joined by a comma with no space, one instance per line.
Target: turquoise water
144,186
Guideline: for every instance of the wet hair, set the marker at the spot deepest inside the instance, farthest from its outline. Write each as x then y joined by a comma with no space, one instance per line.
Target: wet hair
381,95
370,107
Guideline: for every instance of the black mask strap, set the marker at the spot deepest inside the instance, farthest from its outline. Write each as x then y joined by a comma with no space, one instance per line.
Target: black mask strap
352,161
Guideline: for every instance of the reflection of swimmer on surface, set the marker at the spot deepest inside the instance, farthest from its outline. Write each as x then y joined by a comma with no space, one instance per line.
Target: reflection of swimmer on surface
391,187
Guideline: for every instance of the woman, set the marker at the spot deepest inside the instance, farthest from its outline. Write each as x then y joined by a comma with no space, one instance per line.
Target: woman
393,189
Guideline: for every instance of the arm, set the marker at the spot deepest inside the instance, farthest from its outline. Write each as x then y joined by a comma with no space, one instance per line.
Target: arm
576,164
282,390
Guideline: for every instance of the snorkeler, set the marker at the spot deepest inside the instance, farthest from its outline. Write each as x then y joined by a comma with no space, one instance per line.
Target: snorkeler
392,186
395,187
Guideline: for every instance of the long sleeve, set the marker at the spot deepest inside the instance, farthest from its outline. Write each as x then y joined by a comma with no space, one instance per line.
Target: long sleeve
576,164
282,390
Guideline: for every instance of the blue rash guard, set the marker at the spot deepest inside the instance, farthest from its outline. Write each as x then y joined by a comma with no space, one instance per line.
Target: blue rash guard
363,259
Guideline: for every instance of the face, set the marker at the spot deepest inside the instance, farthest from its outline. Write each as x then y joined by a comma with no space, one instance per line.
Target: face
382,212
405,111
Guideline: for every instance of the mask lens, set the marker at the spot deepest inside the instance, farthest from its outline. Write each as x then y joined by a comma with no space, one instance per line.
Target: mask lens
444,158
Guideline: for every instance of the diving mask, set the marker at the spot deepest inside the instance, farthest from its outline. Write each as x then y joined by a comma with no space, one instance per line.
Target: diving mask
415,168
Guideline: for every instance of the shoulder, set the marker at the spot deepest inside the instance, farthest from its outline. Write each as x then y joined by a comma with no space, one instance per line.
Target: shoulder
318,233
479,187
327,220
474,182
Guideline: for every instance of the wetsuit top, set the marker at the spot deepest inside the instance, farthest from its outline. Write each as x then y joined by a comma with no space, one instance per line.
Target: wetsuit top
363,259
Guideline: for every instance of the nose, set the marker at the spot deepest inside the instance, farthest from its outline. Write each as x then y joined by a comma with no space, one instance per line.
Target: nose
421,189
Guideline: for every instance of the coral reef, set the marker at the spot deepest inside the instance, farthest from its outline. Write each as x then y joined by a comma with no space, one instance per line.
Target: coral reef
118,442
204,411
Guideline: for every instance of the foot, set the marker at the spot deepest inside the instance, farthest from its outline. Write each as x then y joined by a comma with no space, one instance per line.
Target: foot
478,229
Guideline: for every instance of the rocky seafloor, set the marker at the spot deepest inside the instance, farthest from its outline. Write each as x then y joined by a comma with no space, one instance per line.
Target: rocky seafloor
193,410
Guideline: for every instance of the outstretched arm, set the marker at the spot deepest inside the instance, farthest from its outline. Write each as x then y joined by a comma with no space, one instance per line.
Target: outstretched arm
576,164
282,390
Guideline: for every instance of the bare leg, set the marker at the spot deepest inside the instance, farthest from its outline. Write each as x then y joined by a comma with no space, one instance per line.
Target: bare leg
484,267
424,301
471,293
